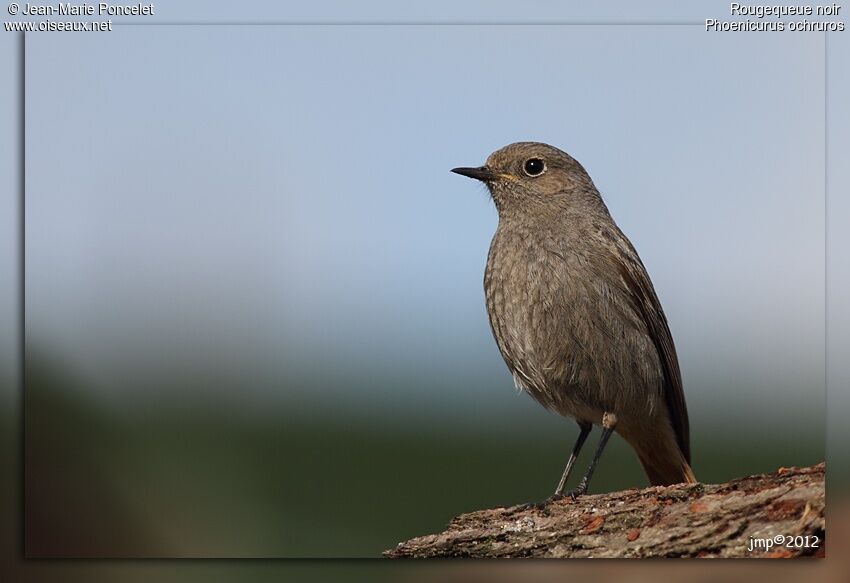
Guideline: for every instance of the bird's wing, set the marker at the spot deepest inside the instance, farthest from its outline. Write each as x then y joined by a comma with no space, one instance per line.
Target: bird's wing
643,298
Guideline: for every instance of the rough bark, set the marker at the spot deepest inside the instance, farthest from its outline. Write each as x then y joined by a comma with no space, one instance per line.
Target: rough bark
683,520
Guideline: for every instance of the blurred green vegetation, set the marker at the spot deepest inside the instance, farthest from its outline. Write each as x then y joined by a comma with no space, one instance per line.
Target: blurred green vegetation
187,475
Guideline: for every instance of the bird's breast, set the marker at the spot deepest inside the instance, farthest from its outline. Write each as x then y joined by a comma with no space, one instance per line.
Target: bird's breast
527,297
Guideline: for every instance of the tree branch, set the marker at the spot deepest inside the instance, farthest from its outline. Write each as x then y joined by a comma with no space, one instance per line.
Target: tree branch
684,520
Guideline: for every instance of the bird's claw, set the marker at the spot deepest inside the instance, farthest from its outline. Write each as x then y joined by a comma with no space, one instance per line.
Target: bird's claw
575,493
542,505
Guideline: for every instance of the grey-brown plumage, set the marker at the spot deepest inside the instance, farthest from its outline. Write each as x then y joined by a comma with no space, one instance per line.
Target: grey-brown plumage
574,313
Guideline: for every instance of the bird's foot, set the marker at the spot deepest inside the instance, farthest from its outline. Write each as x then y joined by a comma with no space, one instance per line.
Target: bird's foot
542,505
578,491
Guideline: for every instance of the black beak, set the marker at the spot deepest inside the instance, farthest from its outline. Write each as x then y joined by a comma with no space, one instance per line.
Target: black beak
481,173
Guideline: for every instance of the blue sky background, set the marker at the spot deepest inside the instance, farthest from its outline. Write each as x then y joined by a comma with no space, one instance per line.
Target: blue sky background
276,200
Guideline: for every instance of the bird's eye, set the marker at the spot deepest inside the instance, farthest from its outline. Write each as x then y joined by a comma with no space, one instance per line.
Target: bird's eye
534,166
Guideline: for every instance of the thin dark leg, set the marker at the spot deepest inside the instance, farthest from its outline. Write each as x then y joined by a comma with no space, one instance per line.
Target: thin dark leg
582,437
585,481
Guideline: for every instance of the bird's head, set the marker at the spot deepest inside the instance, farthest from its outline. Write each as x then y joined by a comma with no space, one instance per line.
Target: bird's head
530,175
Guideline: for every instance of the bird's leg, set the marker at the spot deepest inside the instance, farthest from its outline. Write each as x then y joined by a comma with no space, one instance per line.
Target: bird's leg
582,437
584,431
609,422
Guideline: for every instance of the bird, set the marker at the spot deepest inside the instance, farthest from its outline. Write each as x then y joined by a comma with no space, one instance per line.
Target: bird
575,315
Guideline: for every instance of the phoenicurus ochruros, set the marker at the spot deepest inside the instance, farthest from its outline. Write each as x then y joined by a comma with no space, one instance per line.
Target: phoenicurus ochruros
575,315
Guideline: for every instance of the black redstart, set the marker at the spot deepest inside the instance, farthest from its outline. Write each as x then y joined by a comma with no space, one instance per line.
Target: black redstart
575,315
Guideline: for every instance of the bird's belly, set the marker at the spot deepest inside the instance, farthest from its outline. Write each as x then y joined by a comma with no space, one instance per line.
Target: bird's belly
534,329
556,340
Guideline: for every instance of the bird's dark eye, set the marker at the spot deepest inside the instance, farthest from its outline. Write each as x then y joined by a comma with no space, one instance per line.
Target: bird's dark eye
534,166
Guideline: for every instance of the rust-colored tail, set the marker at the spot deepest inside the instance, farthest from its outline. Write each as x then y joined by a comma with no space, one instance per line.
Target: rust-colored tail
663,461
663,472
